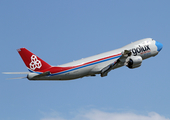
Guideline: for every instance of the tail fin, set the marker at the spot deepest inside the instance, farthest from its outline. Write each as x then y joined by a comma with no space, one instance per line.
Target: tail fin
33,62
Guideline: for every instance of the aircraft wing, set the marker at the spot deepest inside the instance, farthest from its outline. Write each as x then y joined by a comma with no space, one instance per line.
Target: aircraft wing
111,66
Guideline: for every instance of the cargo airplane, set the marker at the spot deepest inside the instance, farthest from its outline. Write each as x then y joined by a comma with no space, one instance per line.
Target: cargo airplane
130,55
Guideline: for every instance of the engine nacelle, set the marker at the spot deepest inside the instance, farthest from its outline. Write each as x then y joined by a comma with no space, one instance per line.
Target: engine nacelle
30,76
133,62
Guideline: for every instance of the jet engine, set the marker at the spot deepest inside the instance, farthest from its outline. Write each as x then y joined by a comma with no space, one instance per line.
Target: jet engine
133,62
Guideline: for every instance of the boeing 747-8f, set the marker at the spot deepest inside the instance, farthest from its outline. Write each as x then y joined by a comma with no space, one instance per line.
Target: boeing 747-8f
130,55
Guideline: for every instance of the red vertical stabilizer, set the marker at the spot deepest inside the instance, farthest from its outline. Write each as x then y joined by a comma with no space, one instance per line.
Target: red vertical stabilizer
33,62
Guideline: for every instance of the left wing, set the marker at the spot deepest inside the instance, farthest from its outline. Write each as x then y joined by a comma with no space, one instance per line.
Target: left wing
122,59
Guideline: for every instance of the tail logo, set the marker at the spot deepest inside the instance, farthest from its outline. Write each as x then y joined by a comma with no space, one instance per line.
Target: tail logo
35,63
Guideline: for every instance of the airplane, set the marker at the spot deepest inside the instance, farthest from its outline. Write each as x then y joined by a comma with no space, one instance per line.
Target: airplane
130,55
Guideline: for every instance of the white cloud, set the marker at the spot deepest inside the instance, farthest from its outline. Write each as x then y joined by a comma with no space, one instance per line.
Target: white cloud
100,115
53,118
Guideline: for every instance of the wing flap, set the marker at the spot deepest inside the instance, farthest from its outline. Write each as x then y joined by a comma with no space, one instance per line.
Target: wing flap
122,59
108,68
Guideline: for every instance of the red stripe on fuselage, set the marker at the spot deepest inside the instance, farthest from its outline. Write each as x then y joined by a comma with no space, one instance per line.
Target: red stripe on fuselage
61,69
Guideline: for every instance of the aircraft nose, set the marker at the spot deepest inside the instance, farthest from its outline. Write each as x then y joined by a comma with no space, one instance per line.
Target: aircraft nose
159,46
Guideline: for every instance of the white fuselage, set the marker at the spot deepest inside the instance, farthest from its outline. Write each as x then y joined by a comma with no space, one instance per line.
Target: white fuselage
93,65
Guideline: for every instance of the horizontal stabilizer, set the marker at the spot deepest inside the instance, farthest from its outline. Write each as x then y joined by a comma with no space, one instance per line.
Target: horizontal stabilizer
16,78
35,76
43,74
16,72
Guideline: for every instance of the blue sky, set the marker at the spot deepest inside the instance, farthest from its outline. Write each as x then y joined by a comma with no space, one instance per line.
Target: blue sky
62,31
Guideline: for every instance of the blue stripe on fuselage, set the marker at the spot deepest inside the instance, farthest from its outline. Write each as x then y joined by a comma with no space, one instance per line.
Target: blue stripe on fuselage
86,65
